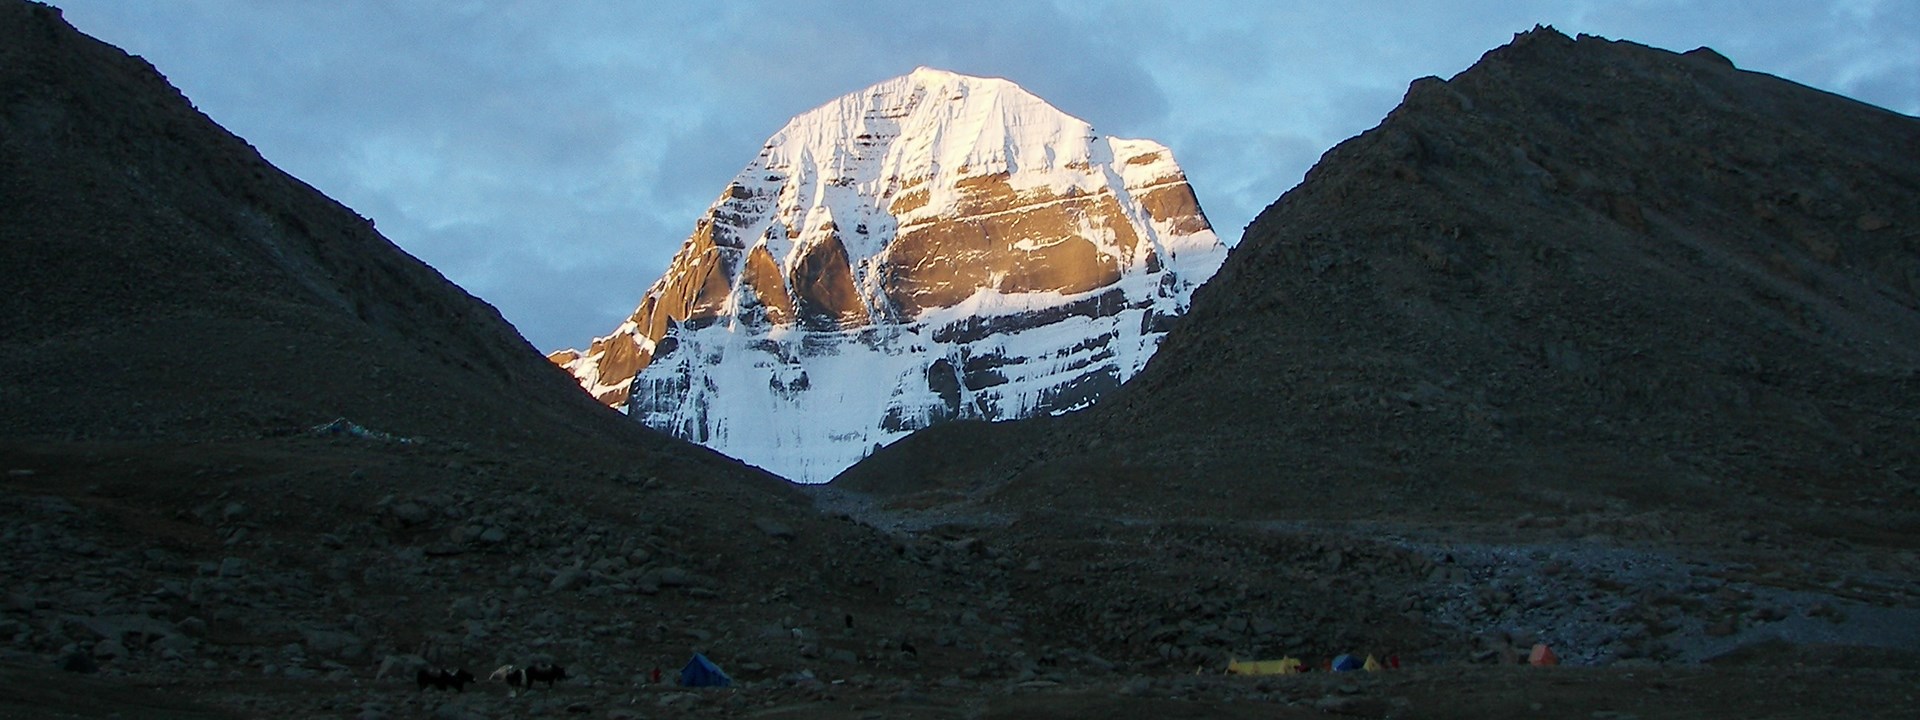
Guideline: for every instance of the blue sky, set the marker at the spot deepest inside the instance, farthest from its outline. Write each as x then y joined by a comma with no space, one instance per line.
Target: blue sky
550,156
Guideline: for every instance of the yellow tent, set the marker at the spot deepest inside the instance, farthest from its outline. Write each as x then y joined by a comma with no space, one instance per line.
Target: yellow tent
1283,666
1372,665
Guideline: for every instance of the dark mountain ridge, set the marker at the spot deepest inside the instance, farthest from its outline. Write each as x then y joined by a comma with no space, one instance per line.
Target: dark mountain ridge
1580,274
164,281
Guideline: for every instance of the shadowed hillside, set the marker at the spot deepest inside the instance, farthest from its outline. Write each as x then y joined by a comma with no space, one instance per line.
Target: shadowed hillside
1593,344
1579,275
164,282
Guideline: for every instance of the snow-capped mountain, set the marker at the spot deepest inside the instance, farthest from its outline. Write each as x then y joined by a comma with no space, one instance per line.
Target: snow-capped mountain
934,247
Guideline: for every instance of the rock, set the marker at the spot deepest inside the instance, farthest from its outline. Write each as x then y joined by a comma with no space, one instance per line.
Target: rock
684,699
1137,687
569,579
410,513
192,626
1353,706
331,643
670,577
622,714
109,649
77,662
466,607
400,666
179,645
233,567
451,711
607,566
774,528
118,627
493,536
233,512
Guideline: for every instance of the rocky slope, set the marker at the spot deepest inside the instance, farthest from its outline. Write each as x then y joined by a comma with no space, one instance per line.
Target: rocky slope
1584,296
934,247
162,280
1580,271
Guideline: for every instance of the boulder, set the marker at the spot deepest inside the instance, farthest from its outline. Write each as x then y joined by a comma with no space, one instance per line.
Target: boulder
774,528
568,579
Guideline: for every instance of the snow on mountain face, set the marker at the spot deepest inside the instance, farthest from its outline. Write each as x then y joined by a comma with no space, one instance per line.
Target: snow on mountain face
934,247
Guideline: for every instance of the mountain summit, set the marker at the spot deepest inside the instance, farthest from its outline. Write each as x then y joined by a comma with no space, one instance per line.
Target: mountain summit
934,247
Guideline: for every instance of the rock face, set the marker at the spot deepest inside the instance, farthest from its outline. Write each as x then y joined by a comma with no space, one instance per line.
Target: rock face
1582,273
934,247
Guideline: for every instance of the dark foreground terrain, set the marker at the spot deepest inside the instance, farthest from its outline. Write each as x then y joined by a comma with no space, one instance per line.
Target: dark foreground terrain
309,577
258,463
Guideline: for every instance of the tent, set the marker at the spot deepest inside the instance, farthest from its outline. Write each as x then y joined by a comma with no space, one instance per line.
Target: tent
1542,656
1346,663
1372,665
701,672
1283,666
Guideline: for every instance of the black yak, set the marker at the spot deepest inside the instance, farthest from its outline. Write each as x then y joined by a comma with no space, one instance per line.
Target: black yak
546,673
525,677
442,679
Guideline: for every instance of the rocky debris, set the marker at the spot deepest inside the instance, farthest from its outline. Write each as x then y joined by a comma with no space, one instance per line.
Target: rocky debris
342,427
773,528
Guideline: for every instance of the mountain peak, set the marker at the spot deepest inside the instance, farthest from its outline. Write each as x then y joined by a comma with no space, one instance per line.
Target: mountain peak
957,126
863,275
928,75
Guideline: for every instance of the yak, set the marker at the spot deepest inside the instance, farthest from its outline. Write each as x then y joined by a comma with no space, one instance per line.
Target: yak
442,679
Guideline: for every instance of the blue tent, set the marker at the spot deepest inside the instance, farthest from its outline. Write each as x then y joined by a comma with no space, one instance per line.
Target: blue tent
1346,663
701,672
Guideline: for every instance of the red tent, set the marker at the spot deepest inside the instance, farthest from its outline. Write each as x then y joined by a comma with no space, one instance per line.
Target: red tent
1542,656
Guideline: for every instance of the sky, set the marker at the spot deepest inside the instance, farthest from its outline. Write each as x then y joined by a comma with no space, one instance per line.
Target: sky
551,156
